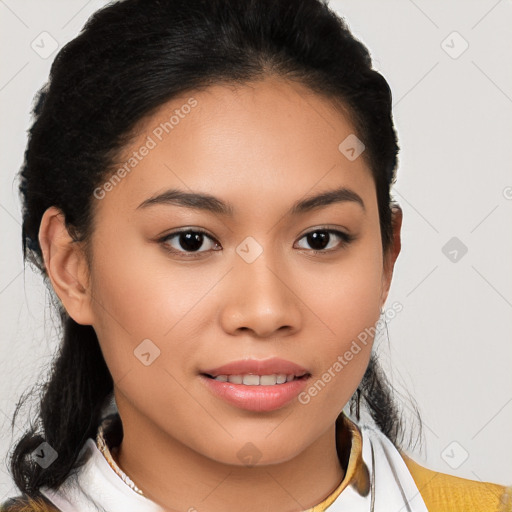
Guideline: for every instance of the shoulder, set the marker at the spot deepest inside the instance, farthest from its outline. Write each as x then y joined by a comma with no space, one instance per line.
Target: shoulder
27,504
440,489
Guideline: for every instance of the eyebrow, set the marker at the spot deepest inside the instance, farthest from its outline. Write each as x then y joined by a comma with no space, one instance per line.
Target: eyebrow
212,204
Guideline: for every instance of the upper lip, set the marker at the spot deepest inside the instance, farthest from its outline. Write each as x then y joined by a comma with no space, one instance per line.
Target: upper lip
260,367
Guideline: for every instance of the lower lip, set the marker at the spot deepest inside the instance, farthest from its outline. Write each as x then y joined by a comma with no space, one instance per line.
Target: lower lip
256,398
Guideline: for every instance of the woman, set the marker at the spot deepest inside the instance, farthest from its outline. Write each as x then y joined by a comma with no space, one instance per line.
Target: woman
207,190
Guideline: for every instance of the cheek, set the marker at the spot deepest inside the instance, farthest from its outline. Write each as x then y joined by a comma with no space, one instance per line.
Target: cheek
346,307
346,297
127,301
141,286
139,295
138,314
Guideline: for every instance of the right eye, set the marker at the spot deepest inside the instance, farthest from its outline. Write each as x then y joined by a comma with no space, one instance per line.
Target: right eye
186,240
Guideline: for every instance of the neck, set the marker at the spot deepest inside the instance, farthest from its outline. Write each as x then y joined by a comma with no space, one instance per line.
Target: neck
178,478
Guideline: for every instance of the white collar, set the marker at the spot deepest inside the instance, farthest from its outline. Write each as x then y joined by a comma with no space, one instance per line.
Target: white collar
392,486
97,488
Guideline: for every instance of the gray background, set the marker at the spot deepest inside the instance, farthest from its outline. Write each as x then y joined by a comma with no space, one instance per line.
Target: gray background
450,347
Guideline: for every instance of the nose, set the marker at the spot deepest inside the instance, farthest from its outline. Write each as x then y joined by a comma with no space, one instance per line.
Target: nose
262,299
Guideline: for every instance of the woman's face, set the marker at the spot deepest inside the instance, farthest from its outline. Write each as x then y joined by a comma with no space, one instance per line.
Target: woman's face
166,310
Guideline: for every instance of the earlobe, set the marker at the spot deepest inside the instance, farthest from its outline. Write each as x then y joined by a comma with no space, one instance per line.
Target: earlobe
65,265
393,252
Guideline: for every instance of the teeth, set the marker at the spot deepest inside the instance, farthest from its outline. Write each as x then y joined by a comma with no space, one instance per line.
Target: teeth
251,380
256,380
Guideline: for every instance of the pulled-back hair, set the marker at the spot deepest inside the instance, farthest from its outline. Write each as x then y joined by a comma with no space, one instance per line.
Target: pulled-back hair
131,57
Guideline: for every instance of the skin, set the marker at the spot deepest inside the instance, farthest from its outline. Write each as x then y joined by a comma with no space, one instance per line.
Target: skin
261,146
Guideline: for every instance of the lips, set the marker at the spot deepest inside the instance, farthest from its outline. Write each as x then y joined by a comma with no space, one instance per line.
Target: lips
256,385
274,365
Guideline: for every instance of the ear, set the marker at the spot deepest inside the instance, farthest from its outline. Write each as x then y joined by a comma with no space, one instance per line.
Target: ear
392,253
66,266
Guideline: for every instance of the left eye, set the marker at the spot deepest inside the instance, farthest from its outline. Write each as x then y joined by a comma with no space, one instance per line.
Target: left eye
322,237
191,240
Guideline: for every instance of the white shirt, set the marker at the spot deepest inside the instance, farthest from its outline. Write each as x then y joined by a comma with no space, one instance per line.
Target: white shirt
97,488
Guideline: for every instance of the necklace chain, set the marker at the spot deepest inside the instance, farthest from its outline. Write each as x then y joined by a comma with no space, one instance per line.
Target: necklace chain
104,449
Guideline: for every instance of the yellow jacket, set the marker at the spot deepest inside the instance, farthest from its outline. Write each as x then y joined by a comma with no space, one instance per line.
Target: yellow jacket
446,493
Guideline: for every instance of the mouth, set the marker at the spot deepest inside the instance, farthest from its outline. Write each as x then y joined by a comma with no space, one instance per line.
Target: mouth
260,385
257,393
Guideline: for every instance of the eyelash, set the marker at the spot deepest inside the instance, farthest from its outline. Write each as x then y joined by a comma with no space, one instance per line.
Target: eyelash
346,239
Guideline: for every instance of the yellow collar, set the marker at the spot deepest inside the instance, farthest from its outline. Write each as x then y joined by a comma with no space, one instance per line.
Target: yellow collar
349,443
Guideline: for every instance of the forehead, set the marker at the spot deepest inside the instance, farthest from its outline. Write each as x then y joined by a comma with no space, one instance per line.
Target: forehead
271,141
